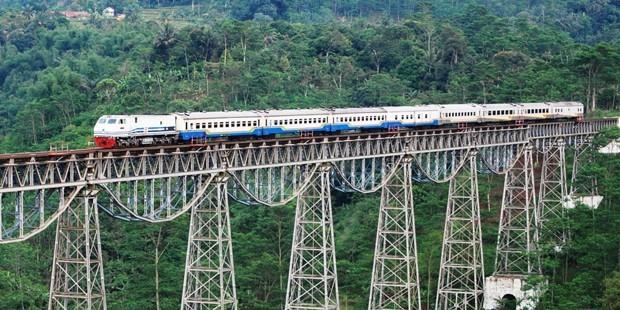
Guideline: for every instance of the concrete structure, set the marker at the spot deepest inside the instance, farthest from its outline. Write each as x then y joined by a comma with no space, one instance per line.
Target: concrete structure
500,287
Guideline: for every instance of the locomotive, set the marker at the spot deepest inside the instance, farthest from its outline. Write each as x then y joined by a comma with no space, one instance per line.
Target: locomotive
113,131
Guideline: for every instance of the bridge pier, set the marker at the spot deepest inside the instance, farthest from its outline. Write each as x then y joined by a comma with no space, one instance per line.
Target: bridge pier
209,280
395,281
583,189
461,274
517,255
312,279
77,280
554,198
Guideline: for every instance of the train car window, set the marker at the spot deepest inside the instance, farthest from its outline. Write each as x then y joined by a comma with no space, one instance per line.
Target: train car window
209,125
191,126
204,125
112,121
136,119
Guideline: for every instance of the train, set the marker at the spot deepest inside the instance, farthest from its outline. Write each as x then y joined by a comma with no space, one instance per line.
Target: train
114,131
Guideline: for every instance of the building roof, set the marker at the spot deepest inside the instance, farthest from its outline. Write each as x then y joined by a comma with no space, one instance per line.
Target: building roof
75,14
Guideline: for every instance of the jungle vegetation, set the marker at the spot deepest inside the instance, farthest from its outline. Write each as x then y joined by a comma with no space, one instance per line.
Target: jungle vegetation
58,75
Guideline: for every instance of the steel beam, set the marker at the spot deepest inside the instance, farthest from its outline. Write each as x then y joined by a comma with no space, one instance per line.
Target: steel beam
461,274
209,280
395,279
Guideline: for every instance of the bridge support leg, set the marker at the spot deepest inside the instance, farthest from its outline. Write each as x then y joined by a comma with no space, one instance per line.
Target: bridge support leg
517,256
553,196
583,188
461,275
77,272
395,283
209,281
312,279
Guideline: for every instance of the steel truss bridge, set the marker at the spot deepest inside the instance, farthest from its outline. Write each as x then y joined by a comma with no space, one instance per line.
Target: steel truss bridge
158,184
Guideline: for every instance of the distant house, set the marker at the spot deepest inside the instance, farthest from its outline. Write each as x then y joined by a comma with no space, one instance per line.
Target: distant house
108,12
75,14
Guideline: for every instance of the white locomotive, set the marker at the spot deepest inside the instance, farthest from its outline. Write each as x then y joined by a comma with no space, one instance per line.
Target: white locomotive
134,130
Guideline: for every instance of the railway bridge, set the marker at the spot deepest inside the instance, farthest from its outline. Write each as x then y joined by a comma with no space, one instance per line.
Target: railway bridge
158,184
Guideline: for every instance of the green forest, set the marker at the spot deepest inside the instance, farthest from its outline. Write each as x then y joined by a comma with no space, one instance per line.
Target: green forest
58,74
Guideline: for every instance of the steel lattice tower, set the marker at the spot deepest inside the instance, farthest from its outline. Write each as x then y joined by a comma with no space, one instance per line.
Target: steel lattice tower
518,235
395,283
553,195
77,274
587,185
209,281
312,280
461,275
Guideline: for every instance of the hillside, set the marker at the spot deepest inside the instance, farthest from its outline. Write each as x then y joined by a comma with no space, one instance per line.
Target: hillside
58,75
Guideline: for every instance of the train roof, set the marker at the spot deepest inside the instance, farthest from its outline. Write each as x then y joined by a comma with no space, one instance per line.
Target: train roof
295,112
358,110
135,115
409,109
458,106
218,114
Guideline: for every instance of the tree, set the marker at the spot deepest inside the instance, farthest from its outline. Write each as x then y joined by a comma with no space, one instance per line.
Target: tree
381,90
611,295
596,64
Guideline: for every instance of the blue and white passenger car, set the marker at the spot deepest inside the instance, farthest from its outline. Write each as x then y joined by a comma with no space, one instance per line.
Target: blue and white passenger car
126,130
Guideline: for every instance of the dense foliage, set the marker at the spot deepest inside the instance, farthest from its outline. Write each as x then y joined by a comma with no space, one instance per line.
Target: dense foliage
57,76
